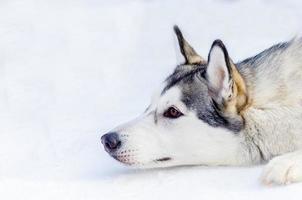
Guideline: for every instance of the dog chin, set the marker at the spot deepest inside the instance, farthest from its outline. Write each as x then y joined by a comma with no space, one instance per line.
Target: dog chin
124,160
155,163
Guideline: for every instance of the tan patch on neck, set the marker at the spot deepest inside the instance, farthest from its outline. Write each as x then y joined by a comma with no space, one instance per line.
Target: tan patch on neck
239,101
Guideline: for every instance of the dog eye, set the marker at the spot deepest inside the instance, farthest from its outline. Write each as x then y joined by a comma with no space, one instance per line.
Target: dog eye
172,112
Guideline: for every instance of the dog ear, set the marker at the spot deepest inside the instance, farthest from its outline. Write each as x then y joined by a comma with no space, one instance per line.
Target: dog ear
218,72
226,85
187,51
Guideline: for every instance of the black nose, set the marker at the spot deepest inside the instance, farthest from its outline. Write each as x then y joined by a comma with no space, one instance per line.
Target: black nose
111,142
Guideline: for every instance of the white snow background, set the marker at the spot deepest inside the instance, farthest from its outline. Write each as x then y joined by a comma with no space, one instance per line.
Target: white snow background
71,70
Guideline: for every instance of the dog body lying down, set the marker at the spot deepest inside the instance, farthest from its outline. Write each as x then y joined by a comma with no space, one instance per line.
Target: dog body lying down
215,112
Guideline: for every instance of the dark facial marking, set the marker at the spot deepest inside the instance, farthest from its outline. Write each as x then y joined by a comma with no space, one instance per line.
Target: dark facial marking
155,117
182,72
195,95
147,109
163,159
154,113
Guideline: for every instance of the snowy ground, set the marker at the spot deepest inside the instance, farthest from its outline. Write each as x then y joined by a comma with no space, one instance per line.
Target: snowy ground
71,70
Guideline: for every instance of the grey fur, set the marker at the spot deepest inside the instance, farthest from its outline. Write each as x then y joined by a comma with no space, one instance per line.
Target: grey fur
260,102
195,94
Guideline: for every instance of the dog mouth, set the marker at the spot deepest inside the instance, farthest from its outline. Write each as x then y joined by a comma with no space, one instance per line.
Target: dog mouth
125,159
129,161
164,159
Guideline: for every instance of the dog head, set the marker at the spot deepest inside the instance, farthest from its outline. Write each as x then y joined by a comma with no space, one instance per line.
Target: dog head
193,119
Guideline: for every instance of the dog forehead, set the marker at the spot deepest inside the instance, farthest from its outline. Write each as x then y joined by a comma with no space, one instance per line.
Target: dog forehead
180,85
170,96
173,94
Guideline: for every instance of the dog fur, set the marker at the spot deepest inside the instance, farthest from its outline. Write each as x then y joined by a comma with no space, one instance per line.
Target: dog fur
231,114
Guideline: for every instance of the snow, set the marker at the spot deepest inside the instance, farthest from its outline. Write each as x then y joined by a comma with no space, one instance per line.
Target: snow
72,70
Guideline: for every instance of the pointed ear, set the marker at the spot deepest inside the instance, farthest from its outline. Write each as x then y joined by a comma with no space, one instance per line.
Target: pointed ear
218,71
226,85
187,51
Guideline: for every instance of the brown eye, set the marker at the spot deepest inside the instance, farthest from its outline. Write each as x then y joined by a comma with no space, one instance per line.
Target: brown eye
172,112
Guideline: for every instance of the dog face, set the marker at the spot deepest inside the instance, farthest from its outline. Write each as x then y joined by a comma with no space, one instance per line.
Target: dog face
192,119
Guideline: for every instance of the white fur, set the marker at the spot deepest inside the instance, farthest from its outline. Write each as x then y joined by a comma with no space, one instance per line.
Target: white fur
273,123
284,169
187,140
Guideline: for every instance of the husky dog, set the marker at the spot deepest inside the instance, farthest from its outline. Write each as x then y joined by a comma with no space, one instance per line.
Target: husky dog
215,112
